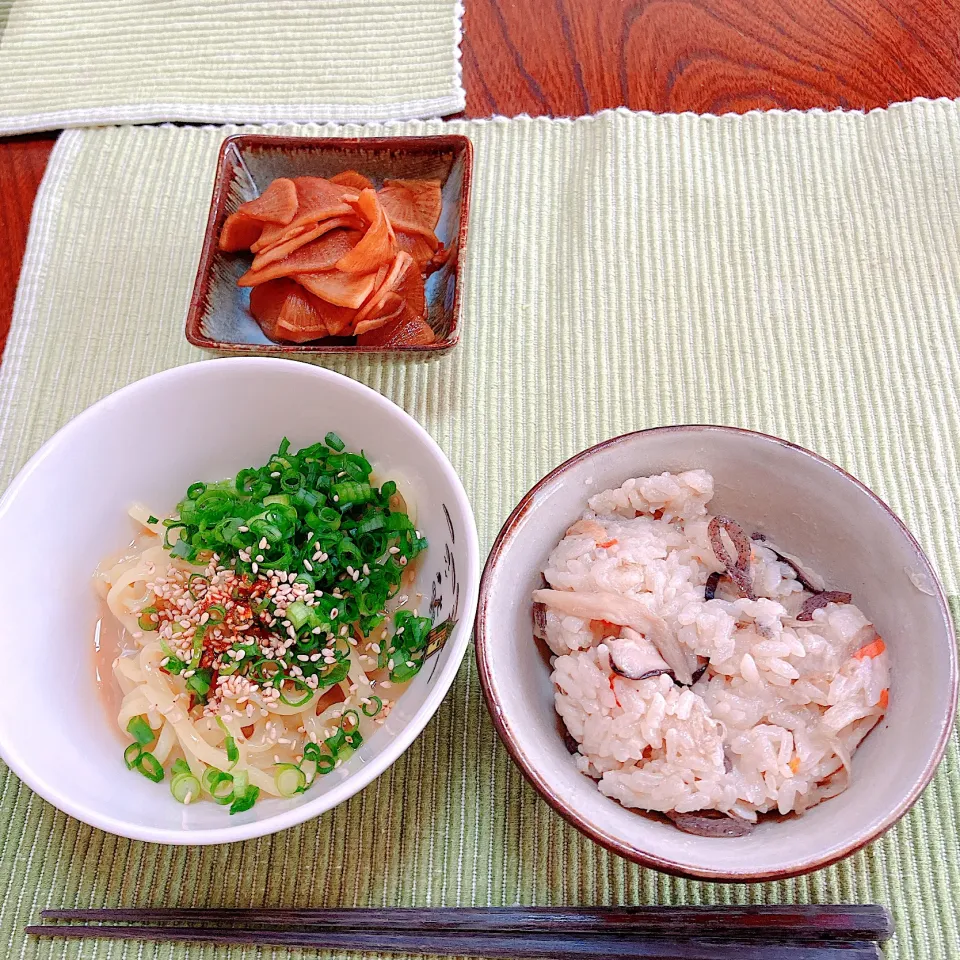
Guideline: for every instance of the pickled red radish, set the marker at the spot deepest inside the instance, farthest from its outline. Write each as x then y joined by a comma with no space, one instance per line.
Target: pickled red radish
405,332
239,233
413,206
287,312
342,289
319,254
350,178
378,245
277,204
278,251
401,264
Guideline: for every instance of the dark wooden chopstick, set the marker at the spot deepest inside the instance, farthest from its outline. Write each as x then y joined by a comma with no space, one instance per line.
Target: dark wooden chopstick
854,922
561,946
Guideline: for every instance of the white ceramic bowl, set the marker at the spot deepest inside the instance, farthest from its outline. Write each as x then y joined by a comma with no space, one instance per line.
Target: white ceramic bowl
66,511
820,514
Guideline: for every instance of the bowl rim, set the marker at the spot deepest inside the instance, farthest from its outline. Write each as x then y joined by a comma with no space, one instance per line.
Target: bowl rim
454,142
566,810
358,780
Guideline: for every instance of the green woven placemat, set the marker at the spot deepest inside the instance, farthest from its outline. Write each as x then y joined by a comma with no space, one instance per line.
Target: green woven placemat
74,63
794,273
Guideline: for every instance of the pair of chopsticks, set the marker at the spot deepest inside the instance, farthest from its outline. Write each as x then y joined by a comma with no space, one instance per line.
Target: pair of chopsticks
829,932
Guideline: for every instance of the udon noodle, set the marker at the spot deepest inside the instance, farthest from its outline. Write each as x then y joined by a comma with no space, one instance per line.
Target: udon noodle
267,628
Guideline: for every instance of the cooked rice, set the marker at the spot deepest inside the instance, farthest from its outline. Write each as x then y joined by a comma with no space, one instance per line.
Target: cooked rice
775,718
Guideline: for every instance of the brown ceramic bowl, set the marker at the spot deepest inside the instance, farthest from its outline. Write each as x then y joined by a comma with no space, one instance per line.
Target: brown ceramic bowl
219,316
820,514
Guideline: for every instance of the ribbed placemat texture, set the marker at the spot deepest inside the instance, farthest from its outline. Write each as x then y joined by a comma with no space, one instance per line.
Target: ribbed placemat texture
75,63
793,273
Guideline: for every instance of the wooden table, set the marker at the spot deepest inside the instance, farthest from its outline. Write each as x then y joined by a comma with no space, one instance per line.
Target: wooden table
571,57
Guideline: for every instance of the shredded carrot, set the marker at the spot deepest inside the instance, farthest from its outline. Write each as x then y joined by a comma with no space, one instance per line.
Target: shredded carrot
608,543
794,764
873,649
884,699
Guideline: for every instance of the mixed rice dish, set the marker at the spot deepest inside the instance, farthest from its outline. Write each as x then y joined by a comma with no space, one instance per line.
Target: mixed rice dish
702,672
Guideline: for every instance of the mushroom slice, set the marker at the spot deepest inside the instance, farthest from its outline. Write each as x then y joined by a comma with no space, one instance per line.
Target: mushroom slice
738,569
540,621
807,579
711,823
626,612
819,600
633,656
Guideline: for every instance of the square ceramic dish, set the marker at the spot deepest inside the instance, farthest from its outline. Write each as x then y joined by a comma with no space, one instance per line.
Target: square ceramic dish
219,315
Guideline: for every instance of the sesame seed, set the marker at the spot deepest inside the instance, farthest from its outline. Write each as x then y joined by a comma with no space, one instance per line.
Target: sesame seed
375,647
264,543
242,530
187,797
302,657
403,561
275,474
255,568
307,565
394,550
333,613
336,499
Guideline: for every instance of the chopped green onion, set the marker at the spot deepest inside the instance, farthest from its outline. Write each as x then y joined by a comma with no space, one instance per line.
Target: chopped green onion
377,705
240,781
309,770
334,442
183,551
298,685
218,784
350,492
132,755
229,744
185,788
145,621
298,613
200,682
244,793
139,729
152,519
150,767
290,779
180,766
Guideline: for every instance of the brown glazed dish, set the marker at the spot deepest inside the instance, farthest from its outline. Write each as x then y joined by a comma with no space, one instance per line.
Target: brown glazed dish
219,318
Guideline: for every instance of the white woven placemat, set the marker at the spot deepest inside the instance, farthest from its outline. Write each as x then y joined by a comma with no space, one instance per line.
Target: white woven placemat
74,63
792,273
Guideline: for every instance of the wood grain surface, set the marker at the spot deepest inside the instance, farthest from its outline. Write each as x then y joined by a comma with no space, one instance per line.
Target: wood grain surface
570,57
